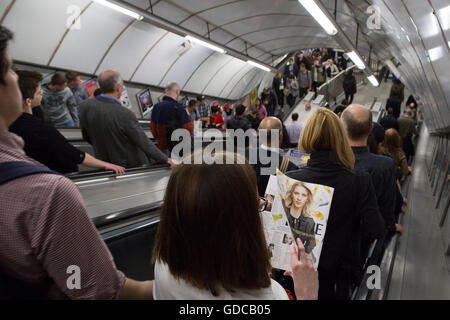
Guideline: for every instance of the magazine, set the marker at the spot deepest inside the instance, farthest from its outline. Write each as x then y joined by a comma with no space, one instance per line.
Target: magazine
295,209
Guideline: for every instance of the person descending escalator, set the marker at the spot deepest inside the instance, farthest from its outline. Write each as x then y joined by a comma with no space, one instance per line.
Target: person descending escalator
349,85
113,130
43,142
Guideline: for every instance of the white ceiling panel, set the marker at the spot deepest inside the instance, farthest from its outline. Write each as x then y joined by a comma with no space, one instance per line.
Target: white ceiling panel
164,9
218,83
37,39
249,82
131,48
230,85
85,48
143,4
186,65
203,74
159,60
3,5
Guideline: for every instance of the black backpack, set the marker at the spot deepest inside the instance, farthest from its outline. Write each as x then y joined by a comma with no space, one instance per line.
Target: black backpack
10,287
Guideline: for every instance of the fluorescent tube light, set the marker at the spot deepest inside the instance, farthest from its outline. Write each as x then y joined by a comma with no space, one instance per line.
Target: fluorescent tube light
120,9
205,44
260,66
373,81
356,60
317,13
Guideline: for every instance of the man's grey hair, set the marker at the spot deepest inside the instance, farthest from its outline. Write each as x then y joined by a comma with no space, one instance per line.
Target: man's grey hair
172,86
109,82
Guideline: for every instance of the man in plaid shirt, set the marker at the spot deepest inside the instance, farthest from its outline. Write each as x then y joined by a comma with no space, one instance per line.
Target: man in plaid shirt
203,110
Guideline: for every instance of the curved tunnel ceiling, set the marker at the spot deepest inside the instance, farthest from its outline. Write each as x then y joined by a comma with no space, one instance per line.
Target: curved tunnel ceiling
264,30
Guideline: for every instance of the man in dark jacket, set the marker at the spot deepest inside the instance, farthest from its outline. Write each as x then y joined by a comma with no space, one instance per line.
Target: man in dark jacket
395,103
239,121
266,148
349,85
113,130
166,112
358,123
389,121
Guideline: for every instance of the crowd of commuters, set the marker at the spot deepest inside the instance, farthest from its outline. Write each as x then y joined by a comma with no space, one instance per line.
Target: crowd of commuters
226,255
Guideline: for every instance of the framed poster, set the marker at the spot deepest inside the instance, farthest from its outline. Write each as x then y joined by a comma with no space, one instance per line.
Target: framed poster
145,103
126,102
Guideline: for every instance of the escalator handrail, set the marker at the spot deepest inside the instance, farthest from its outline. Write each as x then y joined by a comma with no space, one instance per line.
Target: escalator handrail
98,174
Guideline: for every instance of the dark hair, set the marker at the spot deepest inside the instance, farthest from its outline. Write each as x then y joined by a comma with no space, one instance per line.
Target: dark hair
357,128
71,76
192,103
28,83
214,109
295,116
372,144
201,98
378,132
303,65
58,79
208,240
240,109
5,36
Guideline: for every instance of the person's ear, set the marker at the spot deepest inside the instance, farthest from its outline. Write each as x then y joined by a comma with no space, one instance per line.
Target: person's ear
28,102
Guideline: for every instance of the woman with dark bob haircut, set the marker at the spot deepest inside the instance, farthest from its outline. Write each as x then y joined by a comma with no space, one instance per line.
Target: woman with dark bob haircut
213,247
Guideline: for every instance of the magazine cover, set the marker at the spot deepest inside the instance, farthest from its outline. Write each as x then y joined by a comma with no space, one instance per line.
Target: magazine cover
295,209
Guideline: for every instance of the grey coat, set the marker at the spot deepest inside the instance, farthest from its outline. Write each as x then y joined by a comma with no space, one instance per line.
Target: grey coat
116,134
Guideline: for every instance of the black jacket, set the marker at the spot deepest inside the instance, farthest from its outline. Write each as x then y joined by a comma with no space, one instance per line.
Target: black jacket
239,123
383,172
354,212
396,105
263,180
349,84
45,144
389,122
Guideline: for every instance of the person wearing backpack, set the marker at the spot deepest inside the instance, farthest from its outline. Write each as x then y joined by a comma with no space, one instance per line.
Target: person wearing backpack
168,116
46,234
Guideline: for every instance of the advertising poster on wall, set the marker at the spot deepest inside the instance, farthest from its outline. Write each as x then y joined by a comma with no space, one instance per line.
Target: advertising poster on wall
295,209
90,87
145,103
126,102
253,96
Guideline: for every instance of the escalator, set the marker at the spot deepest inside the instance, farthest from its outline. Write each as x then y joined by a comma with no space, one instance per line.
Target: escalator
125,210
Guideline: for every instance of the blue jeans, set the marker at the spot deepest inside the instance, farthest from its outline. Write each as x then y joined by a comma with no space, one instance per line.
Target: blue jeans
70,123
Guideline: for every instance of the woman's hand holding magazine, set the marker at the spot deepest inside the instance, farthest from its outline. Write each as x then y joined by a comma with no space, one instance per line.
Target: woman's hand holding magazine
306,278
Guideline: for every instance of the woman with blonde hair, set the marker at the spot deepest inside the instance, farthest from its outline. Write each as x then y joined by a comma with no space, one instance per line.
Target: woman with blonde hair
392,144
354,209
298,206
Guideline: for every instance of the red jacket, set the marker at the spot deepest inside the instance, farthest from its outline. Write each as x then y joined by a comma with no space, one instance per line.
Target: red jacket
216,122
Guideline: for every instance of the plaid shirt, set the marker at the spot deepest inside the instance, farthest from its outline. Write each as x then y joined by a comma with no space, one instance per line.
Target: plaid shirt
45,229
204,111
